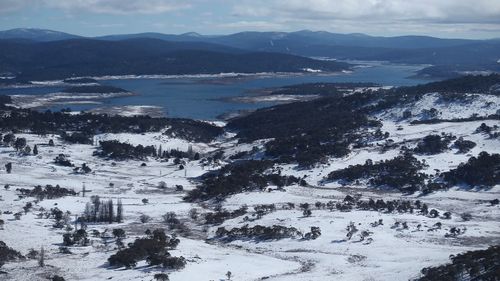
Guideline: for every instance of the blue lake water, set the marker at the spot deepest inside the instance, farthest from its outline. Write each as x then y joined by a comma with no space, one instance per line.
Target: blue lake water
194,98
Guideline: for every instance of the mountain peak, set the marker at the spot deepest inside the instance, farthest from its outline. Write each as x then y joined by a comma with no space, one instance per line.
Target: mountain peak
192,34
35,34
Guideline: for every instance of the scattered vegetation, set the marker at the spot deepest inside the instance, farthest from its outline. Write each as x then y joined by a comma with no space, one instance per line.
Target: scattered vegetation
258,232
434,144
401,173
482,170
472,265
47,192
8,254
238,177
153,248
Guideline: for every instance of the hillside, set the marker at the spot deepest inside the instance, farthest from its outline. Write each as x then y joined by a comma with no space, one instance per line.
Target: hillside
84,57
359,183
449,57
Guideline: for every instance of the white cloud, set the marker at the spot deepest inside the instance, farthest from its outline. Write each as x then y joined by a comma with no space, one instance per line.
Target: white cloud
100,6
476,18
120,6
251,25
374,10
7,6
448,18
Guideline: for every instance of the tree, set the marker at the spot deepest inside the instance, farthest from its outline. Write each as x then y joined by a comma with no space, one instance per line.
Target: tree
41,259
110,211
144,218
35,150
9,138
8,167
51,142
119,211
160,151
119,233
228,275
20,143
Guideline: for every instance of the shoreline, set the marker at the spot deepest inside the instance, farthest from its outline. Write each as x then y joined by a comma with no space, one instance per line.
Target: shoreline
223,75
59,98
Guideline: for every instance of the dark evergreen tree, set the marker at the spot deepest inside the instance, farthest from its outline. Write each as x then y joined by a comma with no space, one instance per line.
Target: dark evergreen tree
20,143
111,215
119,211
8,167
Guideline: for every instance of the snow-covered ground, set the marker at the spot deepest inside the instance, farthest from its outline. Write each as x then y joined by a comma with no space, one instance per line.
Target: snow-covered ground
60,98
391,253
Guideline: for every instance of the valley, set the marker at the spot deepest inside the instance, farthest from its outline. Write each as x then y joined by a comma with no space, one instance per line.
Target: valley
361,183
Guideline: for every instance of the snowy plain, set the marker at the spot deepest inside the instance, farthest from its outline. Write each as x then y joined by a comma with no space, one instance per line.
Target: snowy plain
392,253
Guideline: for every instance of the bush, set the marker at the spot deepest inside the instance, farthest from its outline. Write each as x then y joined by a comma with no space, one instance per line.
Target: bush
433,144
258,232
153,249
62,160
144,218
464,146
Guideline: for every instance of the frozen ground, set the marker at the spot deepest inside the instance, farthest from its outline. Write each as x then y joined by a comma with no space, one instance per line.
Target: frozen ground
391,253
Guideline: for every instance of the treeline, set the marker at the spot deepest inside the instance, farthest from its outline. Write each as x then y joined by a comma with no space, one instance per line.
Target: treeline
86,125
120,151
306,132
402,173
47,192
258,232
98,210
321,89
483,170
472,265
238,177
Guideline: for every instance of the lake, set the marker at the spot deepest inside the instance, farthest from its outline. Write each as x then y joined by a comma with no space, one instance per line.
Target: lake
205,98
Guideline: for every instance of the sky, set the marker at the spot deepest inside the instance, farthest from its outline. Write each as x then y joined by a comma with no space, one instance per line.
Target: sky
477,19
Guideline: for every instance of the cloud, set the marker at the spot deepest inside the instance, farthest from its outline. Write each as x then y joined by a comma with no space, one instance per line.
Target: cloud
100,6
253,25
381,17
374,16
7,6
120,6
449,11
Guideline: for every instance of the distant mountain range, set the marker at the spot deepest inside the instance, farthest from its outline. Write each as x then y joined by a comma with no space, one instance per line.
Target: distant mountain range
448,56
36,34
